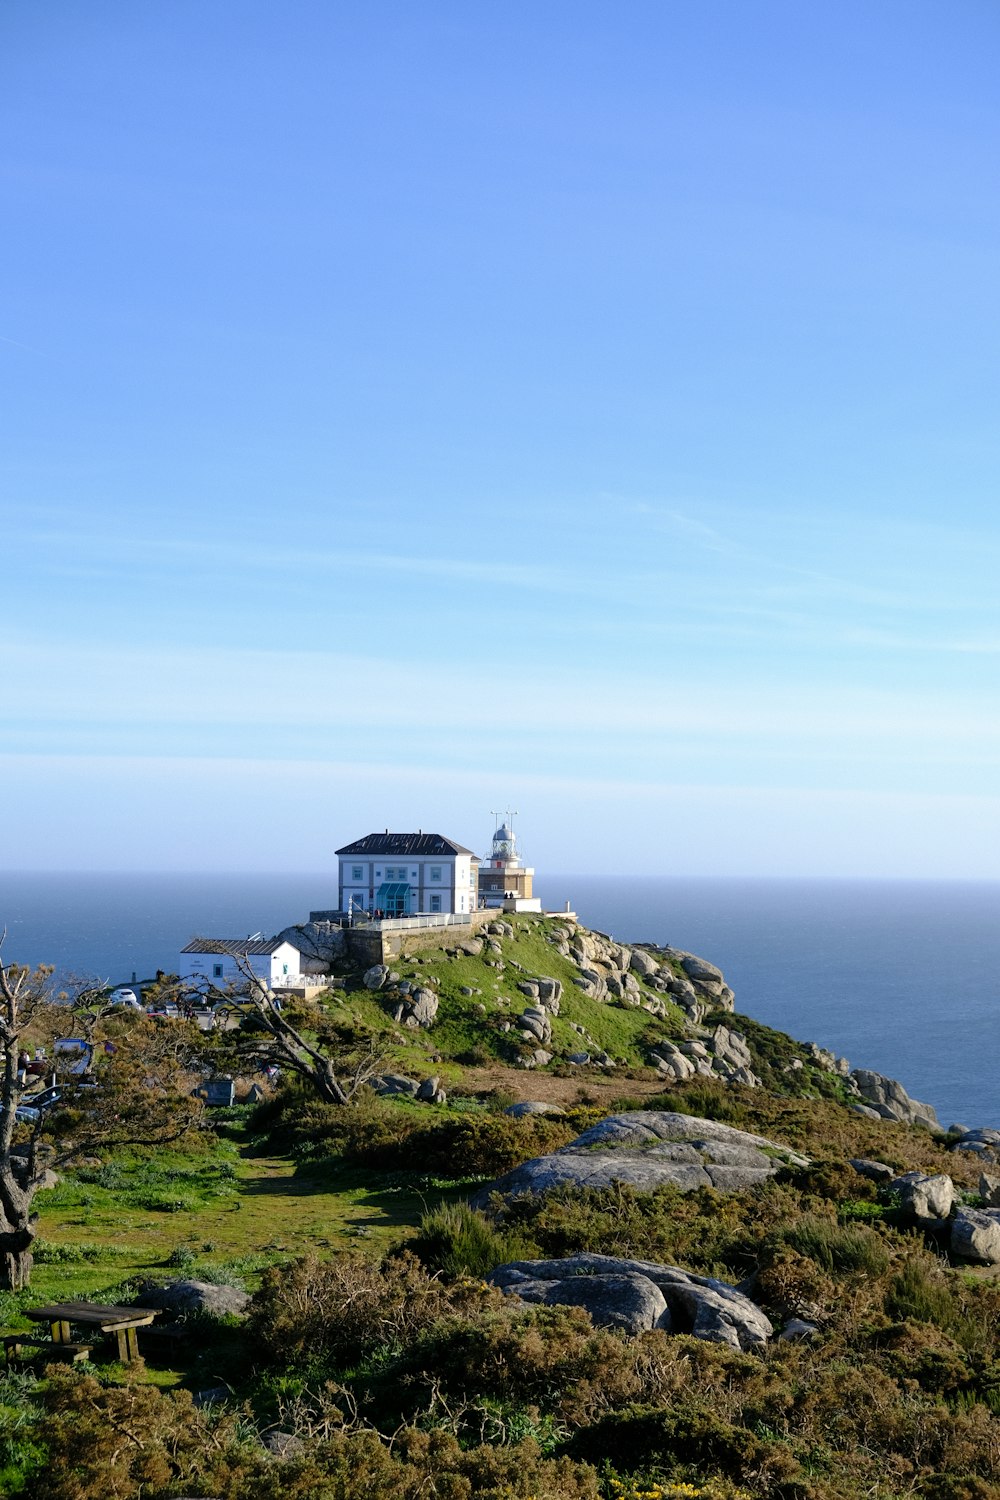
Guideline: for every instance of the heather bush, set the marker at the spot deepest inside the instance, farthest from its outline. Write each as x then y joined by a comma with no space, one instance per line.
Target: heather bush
836,1248
458,1240
921,1291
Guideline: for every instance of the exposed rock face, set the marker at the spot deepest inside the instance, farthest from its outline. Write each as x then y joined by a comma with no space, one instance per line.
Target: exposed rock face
376,978
975,1235
643,963
535,1021
205,1297
648,1150
989,1190
633,1302
668,1059
592,983
533,1107
418,1008
926,1198
638,1294
429,1091
984,1143
699,969
890,1100
550,994
319,943
610,968
395,1083
875,1171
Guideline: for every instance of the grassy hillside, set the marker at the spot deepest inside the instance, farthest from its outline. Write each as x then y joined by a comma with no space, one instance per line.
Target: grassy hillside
389,1368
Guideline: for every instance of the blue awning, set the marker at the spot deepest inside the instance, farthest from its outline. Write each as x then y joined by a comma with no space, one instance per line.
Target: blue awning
395,890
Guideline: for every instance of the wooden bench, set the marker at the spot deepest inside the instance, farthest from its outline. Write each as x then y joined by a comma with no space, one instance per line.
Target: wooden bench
15,1344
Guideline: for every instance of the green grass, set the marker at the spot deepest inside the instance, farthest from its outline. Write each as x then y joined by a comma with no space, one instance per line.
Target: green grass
459,1027
104,1228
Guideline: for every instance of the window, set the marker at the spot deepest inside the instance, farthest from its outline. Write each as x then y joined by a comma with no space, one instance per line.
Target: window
435,872
435,903
357,872
216,971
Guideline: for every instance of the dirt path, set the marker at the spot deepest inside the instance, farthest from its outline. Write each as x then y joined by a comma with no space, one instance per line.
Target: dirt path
547,1089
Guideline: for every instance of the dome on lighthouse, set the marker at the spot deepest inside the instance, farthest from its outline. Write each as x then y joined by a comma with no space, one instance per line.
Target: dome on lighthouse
504,846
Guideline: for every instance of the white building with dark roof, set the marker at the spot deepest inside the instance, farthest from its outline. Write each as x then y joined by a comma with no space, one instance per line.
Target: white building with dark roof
406,874
274,961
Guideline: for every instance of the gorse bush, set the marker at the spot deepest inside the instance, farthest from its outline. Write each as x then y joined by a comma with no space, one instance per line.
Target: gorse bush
344,1309
137,1443
717,1233
482,1145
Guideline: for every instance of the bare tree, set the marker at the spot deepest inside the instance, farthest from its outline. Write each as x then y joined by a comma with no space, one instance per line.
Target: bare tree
328,1056
142,1097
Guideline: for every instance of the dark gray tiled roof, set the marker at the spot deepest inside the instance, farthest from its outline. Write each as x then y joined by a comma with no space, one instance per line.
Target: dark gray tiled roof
235,947
405,844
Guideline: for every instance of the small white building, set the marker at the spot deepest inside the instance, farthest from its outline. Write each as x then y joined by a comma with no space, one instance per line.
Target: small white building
274,961
406,874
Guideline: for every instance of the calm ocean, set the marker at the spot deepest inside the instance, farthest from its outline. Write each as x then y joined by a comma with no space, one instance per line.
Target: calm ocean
900,976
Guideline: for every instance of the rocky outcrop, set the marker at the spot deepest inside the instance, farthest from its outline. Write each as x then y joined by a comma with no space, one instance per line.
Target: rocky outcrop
875,1171
535,1024
417,1008
607,968
636,1295
320,944
925,1198
890,1100
426,1091
184,1298
983,1142
975,1235
429,1091
669,1060
648,1150
395,1083
643,963
533,1107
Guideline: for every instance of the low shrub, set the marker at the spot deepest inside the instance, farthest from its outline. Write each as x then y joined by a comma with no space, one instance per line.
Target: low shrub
717,1233
678,1442
922,1293
836,1248
342,1310
458,1240
484,1145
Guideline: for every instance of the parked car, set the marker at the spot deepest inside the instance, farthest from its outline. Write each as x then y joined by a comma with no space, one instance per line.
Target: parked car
124,997
30,1112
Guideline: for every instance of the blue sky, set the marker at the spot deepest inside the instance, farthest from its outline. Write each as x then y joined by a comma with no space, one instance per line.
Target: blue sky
412,411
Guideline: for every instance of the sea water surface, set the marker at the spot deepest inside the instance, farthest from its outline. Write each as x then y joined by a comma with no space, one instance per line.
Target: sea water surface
899,976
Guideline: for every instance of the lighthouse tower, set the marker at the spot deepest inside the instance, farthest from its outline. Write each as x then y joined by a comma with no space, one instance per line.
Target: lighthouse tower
503,880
